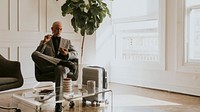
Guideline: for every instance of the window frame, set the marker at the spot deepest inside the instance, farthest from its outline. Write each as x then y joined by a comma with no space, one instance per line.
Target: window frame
188,12
162,24
183,65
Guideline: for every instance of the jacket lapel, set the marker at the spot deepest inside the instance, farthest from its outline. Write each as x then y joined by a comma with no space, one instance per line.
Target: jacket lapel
61,43
51,44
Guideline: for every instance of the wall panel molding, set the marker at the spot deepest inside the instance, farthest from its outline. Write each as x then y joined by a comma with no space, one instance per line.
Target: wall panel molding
5,51
24,56
5,15
28,15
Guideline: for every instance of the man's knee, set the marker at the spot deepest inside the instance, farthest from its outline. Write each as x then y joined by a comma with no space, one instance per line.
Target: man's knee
34,55
59,70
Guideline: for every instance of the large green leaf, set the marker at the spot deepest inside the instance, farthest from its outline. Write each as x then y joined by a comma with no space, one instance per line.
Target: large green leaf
73,21
64,9
95,10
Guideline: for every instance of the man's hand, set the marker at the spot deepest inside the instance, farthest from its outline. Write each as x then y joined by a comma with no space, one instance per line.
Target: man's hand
63,51
47,38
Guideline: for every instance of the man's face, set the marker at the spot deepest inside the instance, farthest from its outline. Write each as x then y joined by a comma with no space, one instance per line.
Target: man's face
57,29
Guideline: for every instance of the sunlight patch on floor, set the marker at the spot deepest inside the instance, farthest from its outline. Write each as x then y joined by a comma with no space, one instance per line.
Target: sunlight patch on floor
134,100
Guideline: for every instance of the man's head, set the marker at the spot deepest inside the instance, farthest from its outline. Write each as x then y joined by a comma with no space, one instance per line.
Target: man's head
56,28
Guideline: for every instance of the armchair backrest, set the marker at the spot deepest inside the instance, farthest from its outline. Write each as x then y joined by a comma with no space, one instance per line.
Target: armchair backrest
10,74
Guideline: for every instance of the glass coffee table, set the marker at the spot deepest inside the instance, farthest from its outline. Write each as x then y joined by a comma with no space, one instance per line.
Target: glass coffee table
31,101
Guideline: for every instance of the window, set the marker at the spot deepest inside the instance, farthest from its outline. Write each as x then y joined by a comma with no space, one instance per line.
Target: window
188,36
139,31
192,29
138,44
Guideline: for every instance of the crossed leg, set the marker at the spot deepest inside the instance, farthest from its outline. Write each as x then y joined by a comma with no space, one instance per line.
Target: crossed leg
47,63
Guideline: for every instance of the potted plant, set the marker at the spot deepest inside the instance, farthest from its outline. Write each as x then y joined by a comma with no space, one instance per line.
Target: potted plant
87,15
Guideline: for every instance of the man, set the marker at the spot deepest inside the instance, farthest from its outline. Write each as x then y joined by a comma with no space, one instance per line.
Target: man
53,54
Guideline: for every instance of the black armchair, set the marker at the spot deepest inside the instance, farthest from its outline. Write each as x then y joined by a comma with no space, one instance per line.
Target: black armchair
10,76
57,78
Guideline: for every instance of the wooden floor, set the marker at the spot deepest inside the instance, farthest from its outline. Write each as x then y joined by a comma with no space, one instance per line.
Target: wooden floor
134,99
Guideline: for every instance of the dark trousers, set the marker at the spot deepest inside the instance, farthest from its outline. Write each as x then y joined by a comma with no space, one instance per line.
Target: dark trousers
47,64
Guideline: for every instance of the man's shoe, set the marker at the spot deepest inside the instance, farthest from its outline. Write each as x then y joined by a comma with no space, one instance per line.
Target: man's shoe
75,68
58,107
73,74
